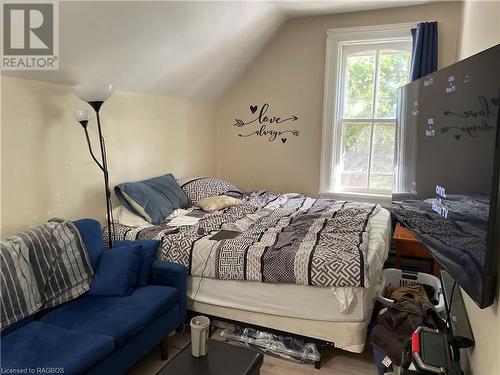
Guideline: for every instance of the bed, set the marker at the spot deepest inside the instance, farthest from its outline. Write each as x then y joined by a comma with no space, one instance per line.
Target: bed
307,266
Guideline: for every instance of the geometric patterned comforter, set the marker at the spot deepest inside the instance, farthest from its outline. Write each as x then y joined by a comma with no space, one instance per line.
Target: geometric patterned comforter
285,238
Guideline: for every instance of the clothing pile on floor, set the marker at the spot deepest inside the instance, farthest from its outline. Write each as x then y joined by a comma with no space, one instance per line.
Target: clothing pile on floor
413,307
420,292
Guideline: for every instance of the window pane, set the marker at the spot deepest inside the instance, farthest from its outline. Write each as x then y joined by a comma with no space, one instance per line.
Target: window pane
392,74
381,182
383,148
359,81
355,147
382,156
356,180
355,155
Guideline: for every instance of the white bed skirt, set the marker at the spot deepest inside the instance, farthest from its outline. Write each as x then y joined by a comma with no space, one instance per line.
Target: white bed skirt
350,336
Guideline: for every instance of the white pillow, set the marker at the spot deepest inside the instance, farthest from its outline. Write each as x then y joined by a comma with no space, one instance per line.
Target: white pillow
216,203
123,216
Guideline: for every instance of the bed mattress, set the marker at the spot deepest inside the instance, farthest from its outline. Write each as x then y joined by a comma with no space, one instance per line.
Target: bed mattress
347,304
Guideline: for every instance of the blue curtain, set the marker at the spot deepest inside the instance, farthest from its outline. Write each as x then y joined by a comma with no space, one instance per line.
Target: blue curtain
425,49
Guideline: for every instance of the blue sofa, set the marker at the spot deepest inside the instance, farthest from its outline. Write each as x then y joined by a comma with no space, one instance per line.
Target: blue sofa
96,334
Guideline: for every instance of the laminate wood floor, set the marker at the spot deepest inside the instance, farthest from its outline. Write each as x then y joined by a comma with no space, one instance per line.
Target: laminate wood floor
334,361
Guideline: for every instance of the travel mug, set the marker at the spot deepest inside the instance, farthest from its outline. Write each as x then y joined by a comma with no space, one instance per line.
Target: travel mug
199,335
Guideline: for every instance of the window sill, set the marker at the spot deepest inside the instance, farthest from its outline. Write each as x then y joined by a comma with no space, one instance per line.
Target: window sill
382,199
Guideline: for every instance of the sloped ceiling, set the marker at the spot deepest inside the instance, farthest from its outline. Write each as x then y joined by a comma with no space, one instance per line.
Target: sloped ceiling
189,50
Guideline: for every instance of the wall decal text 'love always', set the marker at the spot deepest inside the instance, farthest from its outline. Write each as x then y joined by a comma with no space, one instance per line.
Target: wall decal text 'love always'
266,120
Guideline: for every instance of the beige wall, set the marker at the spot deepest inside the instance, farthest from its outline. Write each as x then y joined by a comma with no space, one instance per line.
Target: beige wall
289,75
480,27
46,169
481,30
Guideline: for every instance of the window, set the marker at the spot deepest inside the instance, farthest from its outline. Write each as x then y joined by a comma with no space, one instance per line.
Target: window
364,70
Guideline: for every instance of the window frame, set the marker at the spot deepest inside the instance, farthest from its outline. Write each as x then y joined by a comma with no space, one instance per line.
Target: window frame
331,143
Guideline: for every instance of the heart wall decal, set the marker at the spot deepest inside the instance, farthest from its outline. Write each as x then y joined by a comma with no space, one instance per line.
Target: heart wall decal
253,108
457,136
283,140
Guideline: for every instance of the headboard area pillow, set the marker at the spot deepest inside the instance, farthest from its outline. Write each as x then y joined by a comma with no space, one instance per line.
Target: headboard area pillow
124,216
201,187
152,199
211,204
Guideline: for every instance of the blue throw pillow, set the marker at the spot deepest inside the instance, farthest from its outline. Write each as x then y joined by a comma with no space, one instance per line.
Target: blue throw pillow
91,233
117,272
147,254
152,199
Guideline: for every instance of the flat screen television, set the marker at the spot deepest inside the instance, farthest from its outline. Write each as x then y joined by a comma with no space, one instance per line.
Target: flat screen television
447,169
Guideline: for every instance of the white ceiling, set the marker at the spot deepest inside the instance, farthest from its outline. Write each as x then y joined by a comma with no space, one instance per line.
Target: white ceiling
297,8
190,50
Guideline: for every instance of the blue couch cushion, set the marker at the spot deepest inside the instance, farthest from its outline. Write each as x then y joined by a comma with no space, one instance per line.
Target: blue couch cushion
152,199
91,233
17,325
118,272
147,254
42,345
119,317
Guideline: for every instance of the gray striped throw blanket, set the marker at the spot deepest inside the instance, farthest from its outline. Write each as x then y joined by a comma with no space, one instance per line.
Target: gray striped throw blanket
40,268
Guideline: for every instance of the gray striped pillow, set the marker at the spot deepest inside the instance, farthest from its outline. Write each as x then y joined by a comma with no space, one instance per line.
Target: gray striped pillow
197,188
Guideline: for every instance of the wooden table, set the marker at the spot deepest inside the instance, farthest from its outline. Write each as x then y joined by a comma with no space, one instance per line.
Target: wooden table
222,359
408,245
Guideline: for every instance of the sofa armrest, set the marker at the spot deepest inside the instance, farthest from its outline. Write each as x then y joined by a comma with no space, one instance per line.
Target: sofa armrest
173,275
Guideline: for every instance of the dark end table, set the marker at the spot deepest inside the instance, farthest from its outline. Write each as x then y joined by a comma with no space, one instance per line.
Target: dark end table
222,359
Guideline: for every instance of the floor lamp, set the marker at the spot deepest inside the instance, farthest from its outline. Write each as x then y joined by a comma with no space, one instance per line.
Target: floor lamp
95,96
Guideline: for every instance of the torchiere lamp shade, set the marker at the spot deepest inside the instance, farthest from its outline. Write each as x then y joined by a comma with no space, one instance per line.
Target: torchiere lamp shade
93,92
82,116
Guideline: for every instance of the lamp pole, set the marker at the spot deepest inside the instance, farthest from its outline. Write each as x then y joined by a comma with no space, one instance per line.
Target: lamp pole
96,105
95,97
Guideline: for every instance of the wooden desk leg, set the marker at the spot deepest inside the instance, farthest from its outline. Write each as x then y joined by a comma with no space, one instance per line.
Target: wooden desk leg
435,268
398,259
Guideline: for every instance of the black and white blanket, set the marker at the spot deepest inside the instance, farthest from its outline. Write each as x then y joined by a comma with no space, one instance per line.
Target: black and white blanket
285,238
40,268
